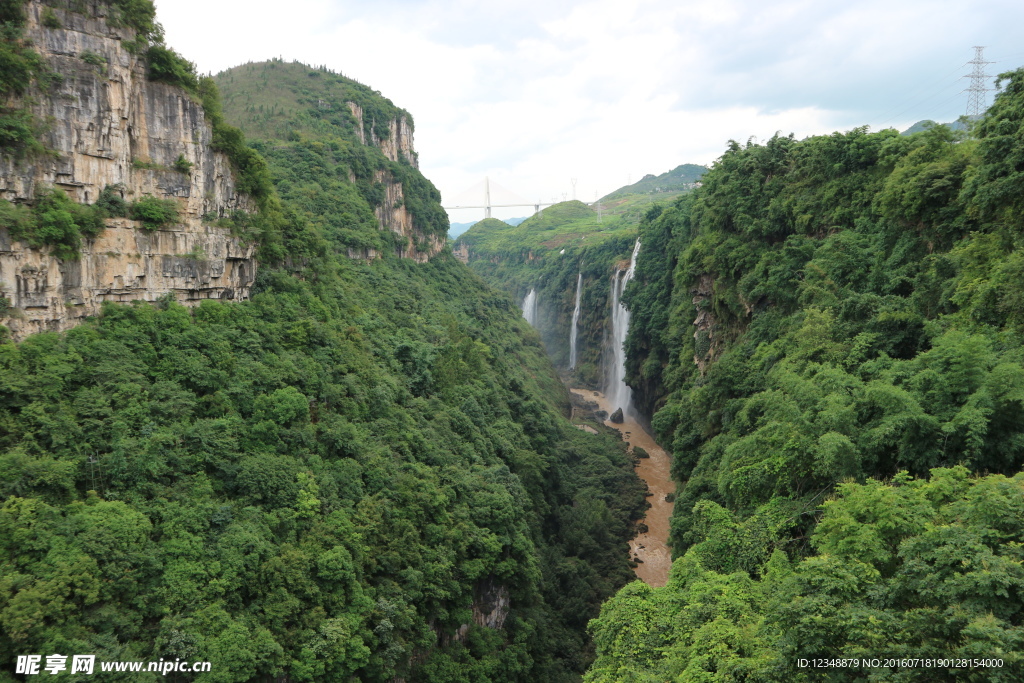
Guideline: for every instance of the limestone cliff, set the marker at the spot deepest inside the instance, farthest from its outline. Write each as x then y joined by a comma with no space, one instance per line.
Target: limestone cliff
108,125
396,144
392,213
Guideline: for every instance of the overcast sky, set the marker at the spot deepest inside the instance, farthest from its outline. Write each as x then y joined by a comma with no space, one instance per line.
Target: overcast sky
537,92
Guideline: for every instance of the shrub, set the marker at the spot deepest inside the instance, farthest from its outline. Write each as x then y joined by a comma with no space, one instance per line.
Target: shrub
137,14
57,228
197,253
183,165
94,58
18,132
49,18
19,63
111,202
61,223
253,172
17,66
12,12
147,165
54,221
155,213
167,66
89,219
17,219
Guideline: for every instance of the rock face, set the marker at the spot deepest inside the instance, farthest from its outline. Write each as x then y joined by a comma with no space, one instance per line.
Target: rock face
708,346
491,602
108,125
392,214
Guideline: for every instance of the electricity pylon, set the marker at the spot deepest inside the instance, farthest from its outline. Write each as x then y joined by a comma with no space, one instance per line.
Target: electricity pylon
976,92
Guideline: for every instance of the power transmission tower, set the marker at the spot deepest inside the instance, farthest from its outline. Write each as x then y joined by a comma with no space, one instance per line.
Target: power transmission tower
573,188
976,93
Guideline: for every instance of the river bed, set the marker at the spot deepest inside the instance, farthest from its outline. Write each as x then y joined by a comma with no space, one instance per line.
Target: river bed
651,547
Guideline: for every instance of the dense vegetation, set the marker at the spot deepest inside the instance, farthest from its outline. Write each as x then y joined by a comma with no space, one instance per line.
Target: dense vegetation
336,480
339,479
913,570
313,484
844,419
55,221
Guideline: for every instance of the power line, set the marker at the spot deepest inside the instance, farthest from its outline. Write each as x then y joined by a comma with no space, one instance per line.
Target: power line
976,91
914,94
921,103
1006,58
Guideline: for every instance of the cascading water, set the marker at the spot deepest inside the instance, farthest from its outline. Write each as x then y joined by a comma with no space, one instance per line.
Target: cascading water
618,393
573,332
530,307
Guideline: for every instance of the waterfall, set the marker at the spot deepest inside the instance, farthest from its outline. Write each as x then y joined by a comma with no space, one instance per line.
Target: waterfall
618,393
573,331
530,307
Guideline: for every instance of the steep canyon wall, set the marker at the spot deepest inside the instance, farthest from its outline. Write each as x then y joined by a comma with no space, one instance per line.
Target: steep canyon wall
106,125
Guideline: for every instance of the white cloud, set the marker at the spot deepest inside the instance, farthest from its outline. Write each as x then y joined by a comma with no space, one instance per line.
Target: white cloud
534,93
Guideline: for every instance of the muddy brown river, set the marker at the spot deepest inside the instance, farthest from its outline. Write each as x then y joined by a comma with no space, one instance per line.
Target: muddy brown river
650,547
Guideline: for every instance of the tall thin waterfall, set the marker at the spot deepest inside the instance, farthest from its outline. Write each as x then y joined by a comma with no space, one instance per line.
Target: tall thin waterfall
530,307
573,331
618,393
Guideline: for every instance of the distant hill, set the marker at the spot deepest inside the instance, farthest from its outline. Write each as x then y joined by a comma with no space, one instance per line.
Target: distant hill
457,229
928,123
677,180
663,187
554,228
485,227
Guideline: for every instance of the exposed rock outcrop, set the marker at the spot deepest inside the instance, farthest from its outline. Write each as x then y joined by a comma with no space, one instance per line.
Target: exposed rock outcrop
707,344
108,125
491,603
392,213
399,144
394,216
396,145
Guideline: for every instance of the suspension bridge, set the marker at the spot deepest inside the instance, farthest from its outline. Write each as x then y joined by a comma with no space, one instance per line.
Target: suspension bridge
507,199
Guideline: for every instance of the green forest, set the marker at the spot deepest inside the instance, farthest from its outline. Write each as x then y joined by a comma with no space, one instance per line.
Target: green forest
336,480
846,421
371,470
